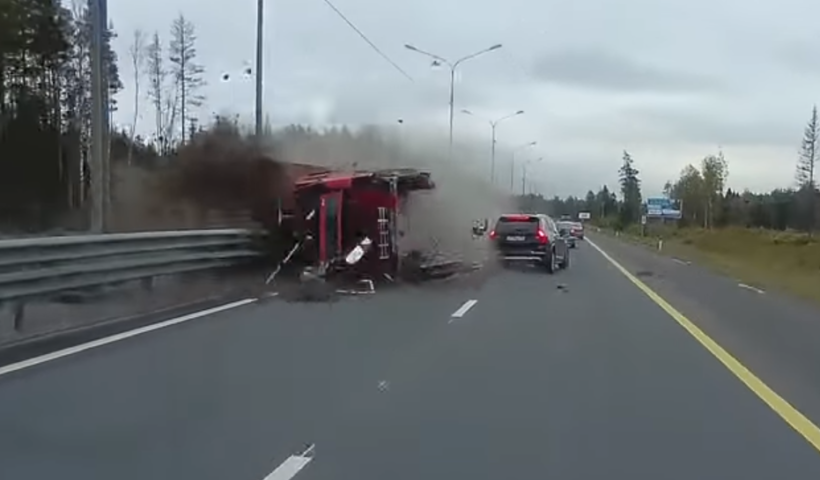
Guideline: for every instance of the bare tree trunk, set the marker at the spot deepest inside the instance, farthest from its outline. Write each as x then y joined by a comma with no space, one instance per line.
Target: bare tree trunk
137,52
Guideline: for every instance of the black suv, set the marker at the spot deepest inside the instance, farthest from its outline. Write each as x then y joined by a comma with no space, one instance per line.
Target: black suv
528,237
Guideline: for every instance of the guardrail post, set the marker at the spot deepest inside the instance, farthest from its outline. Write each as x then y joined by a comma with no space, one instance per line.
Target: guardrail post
19,311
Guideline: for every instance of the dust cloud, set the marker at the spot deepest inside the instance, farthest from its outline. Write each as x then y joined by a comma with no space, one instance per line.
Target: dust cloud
440,219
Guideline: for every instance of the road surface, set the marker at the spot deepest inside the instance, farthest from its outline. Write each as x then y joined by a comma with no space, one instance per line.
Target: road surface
594,380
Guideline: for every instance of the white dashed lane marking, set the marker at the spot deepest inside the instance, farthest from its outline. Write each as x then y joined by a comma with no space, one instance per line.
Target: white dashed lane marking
462,310
292,465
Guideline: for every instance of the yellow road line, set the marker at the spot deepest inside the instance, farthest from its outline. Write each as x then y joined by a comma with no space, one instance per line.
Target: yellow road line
787,412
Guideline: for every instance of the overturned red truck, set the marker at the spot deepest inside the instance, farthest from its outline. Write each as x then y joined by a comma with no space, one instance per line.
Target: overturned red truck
331,212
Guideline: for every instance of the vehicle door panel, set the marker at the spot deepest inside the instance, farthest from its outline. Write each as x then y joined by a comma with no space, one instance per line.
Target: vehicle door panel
561,247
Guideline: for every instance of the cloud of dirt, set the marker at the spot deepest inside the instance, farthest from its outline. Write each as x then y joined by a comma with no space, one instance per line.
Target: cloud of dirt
438,219
221,169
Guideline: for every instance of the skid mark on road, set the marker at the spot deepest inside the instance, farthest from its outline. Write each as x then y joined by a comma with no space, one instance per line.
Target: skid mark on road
783,408
462,310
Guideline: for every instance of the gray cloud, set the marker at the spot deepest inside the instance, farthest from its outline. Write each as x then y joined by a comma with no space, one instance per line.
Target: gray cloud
773,122
607,70
667,80
800,57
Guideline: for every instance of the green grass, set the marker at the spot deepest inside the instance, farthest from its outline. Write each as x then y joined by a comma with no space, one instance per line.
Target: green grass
787,261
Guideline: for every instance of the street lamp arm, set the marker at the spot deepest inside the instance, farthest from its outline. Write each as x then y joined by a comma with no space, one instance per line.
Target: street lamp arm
473,55
452,79
431,55
496,122
530,144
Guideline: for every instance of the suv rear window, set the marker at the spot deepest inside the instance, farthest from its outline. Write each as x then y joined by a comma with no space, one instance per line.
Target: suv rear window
517,224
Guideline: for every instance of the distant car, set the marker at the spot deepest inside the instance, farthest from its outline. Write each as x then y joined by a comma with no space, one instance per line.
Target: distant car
565,229
533,238
578,230
575,229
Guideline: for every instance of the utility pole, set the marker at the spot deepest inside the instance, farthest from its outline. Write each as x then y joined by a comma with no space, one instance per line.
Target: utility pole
492,156
512,174
512,164
452,105
524,175
98,118
260,17
493,125
105,91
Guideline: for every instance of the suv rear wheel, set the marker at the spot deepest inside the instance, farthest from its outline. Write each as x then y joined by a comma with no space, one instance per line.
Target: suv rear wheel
550,263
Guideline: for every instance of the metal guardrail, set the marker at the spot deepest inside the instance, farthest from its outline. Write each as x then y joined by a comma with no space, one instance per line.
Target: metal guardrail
33,268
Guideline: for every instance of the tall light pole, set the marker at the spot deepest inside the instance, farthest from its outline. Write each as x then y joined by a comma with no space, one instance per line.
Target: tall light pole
493,124
524,175
98,167
260,10
437,60
400,122
512,164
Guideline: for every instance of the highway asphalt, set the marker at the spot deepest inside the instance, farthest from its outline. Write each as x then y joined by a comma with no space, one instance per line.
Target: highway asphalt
592,380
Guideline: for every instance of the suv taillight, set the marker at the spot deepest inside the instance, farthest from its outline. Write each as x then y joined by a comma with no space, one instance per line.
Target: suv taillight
541,236
493,234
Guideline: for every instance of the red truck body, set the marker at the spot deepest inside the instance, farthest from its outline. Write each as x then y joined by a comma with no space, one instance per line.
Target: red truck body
339,209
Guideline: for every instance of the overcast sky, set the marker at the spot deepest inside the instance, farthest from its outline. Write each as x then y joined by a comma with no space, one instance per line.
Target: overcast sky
668,80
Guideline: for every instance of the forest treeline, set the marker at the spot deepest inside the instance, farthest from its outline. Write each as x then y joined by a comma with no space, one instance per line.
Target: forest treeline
45,124
701,193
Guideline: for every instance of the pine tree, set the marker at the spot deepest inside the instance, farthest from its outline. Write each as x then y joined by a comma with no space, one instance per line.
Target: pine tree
806,167
808,152
187,74
630,190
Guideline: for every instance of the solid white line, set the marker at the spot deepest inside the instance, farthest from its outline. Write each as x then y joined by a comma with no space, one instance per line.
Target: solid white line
292,465
464,308
682,262
749,287
595,246
14,367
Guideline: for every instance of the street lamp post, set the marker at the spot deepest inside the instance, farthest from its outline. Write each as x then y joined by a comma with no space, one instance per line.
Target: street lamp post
524,175
438,60
400,122
260,4
512,164
493,124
